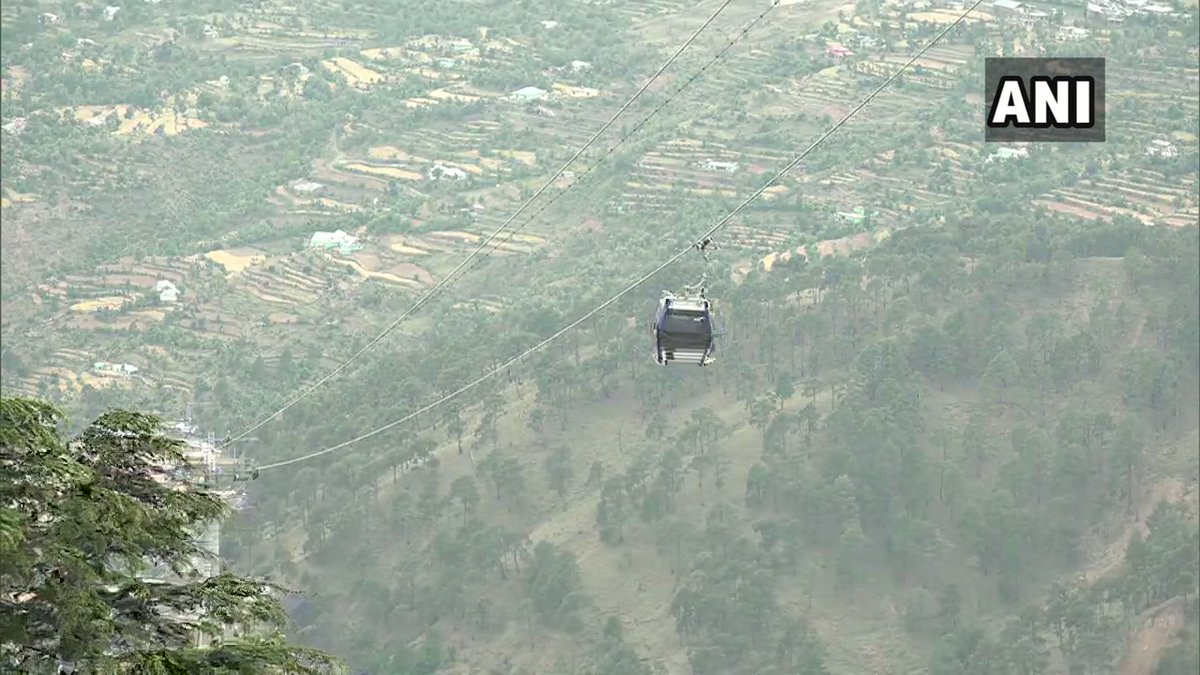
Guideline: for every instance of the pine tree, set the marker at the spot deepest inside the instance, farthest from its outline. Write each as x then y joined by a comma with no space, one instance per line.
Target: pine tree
82,521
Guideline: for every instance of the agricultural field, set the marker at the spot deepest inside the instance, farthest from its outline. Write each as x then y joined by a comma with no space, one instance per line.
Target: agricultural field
925,339
129,120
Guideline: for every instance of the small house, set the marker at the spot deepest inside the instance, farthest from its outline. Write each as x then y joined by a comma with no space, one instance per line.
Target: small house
1009,7
306,186
15,127
1162,148
727,167
1113,13
114,368
530,94
1005,154
857,215
167,292
1071,33
339,240
437,172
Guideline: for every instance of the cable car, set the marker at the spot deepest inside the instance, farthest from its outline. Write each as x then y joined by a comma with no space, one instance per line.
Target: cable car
683,330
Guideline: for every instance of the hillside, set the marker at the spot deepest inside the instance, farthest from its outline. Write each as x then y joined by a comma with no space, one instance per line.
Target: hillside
1001,426
952,427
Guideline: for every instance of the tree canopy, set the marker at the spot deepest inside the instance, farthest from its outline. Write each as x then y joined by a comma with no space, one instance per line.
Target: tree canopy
83,522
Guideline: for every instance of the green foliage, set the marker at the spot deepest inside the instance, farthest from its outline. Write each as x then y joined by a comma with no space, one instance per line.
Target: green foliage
727,614
613,656
558,470
552,583
941,419
82,522
1164,564
1182,658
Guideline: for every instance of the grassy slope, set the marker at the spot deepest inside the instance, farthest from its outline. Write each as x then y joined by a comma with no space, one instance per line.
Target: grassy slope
861,636
864,633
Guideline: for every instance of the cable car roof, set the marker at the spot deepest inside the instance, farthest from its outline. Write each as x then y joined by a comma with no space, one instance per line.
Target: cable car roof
688,305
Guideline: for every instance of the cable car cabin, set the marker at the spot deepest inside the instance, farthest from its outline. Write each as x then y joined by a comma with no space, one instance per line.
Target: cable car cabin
683,331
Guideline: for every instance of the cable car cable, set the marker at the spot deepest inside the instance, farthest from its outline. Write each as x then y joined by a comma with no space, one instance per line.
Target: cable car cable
407,313
716,57
670,261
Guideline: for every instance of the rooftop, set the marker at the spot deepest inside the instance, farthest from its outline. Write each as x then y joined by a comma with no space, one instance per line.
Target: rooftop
529,92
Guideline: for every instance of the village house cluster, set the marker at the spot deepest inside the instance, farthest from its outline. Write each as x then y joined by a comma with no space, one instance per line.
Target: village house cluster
1112,11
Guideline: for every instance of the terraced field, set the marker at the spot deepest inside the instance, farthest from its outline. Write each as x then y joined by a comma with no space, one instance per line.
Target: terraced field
1144,194
227,296
574,122
130,119
356,74
286,120
686,167
284,284
118,284
642,10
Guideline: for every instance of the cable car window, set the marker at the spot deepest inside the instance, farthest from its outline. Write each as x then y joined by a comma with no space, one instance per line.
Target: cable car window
688,323
685,329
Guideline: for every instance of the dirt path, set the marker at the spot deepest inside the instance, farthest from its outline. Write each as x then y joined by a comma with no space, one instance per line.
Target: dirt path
1157,626
1155,633
1107,559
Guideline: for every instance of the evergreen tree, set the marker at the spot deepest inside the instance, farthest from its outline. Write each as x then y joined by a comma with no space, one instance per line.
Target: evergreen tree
82,521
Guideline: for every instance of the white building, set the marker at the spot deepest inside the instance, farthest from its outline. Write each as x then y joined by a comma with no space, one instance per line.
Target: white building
1103,9
438,172
1005,154
727,167
530,94
1162,148
124,369
340,240
306,186
167,292
16,127
1072,33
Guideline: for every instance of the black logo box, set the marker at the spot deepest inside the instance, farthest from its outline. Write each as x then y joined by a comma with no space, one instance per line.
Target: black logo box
1026,69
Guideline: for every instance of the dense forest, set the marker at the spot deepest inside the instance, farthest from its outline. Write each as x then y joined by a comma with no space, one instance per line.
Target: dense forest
946,418
969,446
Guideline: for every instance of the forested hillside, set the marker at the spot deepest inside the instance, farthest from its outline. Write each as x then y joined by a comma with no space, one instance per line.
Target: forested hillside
952,426
971,449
